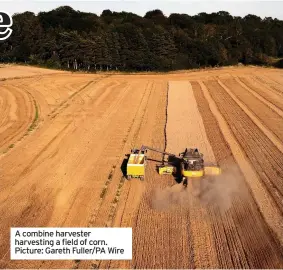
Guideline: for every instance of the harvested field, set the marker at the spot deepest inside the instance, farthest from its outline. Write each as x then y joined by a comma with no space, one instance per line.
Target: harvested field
270,117
236,235
184,125
64,137
17,110
16,72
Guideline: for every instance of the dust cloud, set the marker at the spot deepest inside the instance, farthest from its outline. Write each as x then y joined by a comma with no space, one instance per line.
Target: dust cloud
166,199
209,191
218,191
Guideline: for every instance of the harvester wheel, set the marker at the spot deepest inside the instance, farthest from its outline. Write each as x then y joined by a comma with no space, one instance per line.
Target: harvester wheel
185,182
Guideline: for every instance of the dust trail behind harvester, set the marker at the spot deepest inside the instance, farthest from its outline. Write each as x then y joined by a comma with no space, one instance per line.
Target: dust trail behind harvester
166,199
210,191
218,191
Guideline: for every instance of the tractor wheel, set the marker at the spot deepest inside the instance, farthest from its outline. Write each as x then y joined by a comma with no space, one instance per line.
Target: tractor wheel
185,182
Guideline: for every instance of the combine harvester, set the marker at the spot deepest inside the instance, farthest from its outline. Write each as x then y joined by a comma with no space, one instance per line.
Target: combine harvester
189,164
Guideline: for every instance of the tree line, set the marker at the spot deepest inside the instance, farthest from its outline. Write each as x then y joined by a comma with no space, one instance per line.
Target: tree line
70,39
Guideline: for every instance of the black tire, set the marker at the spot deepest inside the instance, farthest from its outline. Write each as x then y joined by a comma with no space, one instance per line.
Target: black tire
185,182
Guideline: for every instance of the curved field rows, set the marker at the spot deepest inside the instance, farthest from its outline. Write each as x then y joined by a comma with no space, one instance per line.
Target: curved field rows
53,92
17,112
26,102
59,155
231,234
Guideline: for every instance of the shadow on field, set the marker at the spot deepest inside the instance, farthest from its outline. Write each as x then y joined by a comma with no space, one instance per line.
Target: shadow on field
124,165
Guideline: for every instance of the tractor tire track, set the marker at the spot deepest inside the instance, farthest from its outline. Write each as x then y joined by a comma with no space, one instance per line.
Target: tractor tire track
18,113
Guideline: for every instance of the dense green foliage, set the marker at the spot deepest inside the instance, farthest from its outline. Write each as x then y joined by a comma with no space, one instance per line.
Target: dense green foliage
65,38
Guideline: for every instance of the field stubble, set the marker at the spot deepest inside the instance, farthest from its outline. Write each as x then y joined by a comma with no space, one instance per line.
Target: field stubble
68,170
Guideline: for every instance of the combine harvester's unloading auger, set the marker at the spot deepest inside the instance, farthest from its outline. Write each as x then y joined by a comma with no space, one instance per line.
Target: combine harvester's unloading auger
189,164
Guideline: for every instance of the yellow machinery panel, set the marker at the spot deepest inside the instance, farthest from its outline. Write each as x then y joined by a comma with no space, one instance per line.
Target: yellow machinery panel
136,165
192,174
210,170
135,170
166,170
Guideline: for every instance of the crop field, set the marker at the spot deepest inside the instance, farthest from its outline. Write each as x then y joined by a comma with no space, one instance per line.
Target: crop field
63,141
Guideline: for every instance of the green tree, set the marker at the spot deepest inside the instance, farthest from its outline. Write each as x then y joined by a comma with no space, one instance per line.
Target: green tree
70,39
